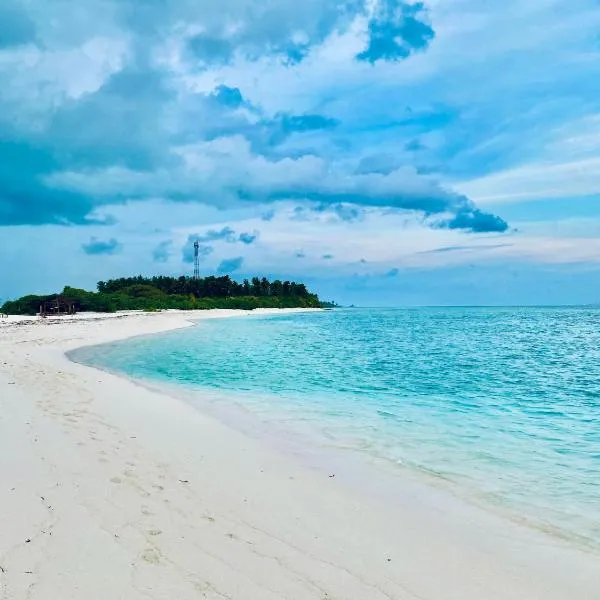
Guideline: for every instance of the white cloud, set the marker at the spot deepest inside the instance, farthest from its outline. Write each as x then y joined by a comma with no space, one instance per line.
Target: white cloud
537,182
568,166
392,240
36,82
217,172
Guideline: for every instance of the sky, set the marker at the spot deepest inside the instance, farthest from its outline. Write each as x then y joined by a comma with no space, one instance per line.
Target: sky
384,152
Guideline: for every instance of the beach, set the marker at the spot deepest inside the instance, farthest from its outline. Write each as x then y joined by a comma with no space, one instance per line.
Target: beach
113,490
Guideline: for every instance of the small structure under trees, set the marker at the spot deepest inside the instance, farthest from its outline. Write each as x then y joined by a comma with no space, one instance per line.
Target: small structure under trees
58,305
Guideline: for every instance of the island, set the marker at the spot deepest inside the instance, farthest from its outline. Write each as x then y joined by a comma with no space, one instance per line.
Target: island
163,292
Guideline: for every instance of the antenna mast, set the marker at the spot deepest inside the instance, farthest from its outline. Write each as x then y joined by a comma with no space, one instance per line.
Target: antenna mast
196,260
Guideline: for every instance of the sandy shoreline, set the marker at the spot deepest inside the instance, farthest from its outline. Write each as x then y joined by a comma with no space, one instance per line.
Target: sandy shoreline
110,490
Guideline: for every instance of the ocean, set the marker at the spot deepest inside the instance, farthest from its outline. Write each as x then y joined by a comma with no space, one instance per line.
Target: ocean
501,404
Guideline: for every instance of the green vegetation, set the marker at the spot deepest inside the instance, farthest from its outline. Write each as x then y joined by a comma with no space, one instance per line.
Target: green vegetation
325,304
157,293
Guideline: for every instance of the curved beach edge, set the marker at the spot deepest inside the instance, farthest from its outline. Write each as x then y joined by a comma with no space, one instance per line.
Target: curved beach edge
112,490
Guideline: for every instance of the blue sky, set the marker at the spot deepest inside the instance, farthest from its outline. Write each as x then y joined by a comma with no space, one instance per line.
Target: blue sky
442,152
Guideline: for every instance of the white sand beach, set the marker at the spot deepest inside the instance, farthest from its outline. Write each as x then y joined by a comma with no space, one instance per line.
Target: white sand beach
109,491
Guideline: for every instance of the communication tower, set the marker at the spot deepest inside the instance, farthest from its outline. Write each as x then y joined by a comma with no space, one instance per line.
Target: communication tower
196,260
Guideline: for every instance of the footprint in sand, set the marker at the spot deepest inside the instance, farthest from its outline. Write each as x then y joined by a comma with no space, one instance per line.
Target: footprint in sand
151,555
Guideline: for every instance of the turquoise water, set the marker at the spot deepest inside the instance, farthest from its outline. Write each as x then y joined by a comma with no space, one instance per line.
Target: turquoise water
502,402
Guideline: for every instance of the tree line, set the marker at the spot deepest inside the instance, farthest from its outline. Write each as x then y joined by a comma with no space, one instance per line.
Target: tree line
211,287
184,293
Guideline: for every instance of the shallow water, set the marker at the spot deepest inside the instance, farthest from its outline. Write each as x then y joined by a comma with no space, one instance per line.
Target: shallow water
502,402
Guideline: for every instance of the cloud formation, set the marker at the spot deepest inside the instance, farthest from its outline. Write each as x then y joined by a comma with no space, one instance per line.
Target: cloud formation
471,218
396,30
225,234
248,238
98,247
127,122
233,175
212,235
163,251
230,265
